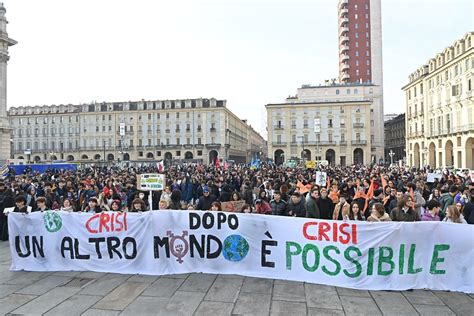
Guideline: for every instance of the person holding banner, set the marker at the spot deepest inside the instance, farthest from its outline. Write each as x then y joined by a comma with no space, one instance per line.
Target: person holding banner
378,214
92,206
453,215
405,212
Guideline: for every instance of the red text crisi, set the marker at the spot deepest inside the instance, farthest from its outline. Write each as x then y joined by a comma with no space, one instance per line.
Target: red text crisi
343,233
107,222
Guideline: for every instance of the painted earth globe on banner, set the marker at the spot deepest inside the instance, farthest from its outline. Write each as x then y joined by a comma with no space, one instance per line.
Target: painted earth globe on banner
235,248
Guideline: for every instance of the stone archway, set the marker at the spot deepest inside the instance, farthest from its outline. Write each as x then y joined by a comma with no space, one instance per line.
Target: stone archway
470,153
306,154
448,152
126,157
54,157
70,158
358,156
213,156
37,159
85,157
149,155
331,157
416,155
97,157
188,155
20,157
110,157
432,155
279,157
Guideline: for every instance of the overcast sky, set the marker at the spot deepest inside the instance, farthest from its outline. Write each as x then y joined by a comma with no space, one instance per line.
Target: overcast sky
249,52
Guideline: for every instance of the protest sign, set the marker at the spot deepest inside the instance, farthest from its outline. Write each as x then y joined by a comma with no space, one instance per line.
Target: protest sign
233,206
430,177
471,172
321,178
311,164
363,255
150,182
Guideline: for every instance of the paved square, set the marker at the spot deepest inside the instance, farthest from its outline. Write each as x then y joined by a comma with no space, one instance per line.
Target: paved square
93,293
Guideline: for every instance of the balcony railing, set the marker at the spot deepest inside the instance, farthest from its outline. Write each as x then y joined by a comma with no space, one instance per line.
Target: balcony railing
213,129
278,127
359,142
213,145
343,143
326,143
358,125
276,144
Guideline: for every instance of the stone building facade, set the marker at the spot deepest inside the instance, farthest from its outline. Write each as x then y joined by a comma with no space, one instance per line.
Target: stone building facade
193,129
440,110
395,139
330,123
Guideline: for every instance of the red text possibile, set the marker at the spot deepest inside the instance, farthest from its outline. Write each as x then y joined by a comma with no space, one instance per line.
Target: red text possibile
343,233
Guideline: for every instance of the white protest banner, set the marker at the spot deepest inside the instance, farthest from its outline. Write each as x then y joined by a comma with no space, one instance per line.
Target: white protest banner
321,178
372,256
471,172
430,177
150,182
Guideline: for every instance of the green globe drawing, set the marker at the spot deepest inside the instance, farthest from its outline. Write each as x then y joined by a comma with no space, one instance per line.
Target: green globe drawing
235,248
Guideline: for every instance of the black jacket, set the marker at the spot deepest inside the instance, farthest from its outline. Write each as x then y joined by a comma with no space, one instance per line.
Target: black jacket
298,209
326,208
204,203
469,213
278,208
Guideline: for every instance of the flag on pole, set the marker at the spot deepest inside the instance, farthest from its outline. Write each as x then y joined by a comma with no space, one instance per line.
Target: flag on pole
161,166
4,171
370,195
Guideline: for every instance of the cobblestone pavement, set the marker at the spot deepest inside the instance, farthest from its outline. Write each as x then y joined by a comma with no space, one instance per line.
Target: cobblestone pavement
93,293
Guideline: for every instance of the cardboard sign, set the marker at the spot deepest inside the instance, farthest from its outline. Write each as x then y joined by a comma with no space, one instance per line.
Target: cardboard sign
150,182
232,206
311,164
321,178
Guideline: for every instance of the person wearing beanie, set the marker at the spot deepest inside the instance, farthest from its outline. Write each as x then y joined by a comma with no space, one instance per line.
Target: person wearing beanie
206,200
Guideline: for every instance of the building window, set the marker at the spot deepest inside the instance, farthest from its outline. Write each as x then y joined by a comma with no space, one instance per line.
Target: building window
177,114
366,25
278,139
368,72
366,15
356,26
355,6
199,141
356,16
367,53
330,123
366,6
357,72
367,62
337,91
357,62
357,44
357,35
357,53
356,91
199,152
348,91
367,44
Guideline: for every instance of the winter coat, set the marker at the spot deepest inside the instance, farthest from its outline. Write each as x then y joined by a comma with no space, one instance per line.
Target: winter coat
384,218
446,200
278,208
326,208
312,209
298,209
469,212
428,217
340,211
204,203
399,215
263,208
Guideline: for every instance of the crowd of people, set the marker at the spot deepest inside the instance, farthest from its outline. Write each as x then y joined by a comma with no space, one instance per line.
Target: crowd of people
359,193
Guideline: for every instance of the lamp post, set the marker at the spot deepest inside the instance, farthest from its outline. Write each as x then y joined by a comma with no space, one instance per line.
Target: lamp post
391,154
104,149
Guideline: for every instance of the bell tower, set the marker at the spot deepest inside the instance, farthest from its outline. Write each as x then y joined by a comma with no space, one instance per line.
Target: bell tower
5,130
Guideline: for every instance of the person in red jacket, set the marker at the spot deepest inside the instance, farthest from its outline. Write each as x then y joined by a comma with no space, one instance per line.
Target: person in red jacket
262,207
